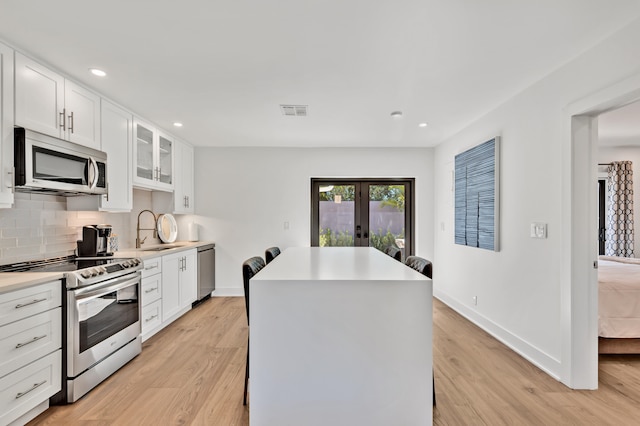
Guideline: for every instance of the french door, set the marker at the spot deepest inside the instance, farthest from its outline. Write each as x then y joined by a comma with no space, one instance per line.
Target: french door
372,212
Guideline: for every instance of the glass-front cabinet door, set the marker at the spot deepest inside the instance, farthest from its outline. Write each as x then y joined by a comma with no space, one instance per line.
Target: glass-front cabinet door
165,159
153,158
144,152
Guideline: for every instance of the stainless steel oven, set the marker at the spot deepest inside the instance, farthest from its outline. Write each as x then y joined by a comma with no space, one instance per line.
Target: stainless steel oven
103,330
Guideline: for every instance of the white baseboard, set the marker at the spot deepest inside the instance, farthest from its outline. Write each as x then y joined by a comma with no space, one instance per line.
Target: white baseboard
228,292
540,359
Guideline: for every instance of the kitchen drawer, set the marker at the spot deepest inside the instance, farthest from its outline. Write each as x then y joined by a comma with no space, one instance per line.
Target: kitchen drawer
152,266
24,341
29,386
151,289
151,316
18,304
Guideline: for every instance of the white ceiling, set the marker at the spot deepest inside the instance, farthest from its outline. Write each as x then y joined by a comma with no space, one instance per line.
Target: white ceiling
223,68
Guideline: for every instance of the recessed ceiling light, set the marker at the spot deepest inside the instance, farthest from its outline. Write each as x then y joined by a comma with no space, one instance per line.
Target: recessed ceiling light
177,124
422,125
96,71
396,114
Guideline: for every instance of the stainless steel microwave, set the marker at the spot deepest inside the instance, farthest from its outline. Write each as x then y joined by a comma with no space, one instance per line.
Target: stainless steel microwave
51,165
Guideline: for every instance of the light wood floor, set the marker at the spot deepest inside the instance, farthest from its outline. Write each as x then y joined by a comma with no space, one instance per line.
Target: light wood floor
193,373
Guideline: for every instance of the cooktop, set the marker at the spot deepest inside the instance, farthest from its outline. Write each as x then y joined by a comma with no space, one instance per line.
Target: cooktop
59,264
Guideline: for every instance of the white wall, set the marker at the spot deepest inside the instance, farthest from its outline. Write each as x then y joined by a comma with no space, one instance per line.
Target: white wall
627,153
519,288
244,196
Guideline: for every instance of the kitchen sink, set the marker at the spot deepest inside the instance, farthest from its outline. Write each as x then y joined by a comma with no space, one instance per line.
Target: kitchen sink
161,248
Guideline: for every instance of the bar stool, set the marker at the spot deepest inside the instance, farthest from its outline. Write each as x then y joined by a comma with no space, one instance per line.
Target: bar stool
250,267
394,252
271,253
425,267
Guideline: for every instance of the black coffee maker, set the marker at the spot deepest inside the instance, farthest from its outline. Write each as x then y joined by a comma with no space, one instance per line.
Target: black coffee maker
95,241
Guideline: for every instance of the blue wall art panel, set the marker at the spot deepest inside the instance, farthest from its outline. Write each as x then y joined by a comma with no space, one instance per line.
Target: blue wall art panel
476,196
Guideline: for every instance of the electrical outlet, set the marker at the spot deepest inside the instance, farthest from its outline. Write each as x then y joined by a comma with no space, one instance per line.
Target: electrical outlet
475,300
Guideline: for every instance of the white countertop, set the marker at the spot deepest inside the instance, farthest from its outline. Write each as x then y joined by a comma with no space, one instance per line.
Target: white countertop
10,281
148,252
336,263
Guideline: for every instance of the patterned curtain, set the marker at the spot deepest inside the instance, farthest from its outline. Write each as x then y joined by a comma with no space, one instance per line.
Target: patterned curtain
619,234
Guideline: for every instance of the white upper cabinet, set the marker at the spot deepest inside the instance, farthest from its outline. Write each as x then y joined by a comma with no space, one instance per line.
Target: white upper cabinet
183,195
180,201
83,115
153,158
49,104
6,126
117,138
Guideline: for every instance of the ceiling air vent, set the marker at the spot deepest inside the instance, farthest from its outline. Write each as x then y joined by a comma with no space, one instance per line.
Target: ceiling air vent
294,110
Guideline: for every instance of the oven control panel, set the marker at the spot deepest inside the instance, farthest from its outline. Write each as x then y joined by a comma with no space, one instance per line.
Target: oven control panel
99,273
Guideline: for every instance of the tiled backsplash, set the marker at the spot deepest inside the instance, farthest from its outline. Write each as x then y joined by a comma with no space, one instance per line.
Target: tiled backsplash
39,226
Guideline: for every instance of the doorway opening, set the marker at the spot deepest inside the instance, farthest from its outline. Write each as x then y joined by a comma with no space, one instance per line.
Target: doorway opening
363,212
579,289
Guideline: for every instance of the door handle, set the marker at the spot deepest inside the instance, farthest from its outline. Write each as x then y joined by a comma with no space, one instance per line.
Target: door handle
93,177
63,118
71,122
358,229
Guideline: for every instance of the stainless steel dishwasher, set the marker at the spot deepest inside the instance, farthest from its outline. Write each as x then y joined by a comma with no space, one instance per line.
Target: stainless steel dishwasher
206,272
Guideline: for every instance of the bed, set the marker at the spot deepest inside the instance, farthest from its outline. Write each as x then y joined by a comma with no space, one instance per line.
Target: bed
618,305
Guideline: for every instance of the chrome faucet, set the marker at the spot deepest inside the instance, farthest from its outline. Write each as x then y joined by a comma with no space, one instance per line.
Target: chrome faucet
139,243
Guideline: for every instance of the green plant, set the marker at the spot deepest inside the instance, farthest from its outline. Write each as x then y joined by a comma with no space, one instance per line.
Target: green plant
328,238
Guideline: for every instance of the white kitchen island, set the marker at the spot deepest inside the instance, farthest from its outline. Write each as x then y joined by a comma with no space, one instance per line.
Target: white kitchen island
340,336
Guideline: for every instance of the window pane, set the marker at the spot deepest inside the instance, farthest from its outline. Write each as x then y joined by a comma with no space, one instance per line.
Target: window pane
386,217
336,215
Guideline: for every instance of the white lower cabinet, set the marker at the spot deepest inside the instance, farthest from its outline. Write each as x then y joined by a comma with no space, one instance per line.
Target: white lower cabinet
169,287
151,318
179,283
30,350
30,387
151,297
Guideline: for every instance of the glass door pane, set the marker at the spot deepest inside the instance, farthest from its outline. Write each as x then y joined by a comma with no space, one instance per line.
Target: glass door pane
144,149
387,217
165,157
369,212
336,207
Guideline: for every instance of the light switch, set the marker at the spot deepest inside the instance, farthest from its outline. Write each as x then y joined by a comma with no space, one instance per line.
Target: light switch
538,230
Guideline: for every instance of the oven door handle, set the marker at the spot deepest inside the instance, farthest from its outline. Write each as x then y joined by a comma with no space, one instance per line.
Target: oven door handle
106,287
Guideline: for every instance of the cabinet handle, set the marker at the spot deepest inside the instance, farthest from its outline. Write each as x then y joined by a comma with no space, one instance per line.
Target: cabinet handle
22,305
151,317
71,122
63,117
12,172
35,339
34,387
150,267
151,289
